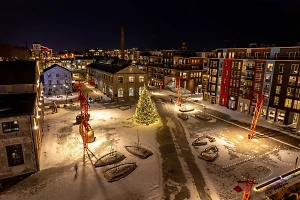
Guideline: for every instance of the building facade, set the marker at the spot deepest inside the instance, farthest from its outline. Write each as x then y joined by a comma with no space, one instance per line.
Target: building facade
57,80
21,118
118,82
40,52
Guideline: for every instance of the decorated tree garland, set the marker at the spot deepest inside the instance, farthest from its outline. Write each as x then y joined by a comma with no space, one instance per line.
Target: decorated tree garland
145,112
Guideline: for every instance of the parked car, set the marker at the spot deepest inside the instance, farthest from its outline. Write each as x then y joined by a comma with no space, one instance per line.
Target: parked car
90,100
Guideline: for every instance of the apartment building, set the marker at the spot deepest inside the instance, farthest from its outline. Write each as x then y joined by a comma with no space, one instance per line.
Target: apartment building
245,73
129,54
40,52
21,118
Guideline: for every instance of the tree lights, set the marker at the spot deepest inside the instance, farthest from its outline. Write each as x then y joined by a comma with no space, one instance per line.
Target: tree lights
145,112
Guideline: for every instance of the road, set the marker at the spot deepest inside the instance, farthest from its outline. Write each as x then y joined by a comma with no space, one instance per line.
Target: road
178,166
174,145
261,132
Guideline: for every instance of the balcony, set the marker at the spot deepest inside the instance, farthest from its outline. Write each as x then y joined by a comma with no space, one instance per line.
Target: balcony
250,68
249,77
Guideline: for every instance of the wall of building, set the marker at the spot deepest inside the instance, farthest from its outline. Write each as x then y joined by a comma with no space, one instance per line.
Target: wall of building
274,50
16,89
126,85
225,85
21,160
57,81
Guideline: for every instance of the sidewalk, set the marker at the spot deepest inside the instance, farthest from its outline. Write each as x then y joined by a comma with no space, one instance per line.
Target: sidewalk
239,116
61,98
247,118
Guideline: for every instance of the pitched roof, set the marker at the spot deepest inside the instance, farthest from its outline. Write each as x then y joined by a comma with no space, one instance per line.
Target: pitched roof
54,65
17,104
107,68
18,72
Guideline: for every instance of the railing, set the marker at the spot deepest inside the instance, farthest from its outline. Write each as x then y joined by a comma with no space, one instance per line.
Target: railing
250,68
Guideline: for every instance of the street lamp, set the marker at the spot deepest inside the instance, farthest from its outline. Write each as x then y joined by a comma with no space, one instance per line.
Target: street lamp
66,91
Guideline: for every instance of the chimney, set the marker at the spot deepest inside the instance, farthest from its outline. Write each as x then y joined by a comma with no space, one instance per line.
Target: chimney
122,43
183,46
26,45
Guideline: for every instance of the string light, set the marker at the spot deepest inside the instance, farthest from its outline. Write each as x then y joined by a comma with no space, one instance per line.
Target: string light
145,112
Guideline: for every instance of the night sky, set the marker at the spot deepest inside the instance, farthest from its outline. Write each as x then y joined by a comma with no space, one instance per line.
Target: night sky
76,25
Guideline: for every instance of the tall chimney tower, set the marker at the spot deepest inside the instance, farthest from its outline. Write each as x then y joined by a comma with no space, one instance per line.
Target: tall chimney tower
122,43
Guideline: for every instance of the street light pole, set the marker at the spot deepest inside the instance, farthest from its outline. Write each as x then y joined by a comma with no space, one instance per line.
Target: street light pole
66,97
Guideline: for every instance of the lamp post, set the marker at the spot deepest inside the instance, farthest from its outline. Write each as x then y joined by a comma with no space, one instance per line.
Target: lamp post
66,90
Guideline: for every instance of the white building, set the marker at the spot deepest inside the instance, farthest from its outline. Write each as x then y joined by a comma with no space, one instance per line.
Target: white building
57,80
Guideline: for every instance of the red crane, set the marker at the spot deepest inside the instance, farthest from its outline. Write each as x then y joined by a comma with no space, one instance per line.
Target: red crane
247,189
84,115
258,107
178,91
160,86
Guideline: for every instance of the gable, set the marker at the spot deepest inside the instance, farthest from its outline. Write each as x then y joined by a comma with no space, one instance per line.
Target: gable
55,67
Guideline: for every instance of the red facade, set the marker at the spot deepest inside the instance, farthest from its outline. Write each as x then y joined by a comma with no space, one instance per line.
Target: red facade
225,82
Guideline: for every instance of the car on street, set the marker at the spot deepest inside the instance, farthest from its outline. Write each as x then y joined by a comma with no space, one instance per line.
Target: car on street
90,100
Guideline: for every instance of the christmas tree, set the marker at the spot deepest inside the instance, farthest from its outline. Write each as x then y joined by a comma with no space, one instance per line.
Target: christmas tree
145,112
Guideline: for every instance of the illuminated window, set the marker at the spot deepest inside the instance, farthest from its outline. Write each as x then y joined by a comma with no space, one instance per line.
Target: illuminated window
141,79
290,91
278,88
267,88
297,93
10,126
214,80
268,78
279,79
120,92
276,100
292,80
120,79
131,92
213,88
110,89
131,79
270,68
239,65
288,103
140,90
294,68
296,104
258,76
14,155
